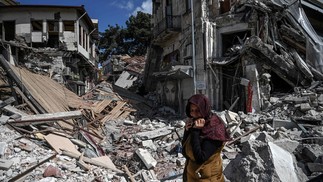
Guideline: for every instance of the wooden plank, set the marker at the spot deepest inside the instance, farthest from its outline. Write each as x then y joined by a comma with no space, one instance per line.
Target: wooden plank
60,143
106,160
115,110
14,110
7,102
124,115
91,161
101,105
116,114
50,94
43,118
26,100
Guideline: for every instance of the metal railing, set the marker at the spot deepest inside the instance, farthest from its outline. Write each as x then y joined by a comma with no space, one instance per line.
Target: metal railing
169,23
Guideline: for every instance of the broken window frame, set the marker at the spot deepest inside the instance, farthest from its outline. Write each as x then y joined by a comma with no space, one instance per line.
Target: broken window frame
52,26
188,51
80,35
8,33
36,25
69,26
188,6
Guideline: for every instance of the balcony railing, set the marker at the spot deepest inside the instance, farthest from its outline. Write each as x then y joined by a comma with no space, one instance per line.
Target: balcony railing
169,23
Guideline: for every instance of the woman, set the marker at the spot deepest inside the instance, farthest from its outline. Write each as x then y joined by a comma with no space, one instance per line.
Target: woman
203,140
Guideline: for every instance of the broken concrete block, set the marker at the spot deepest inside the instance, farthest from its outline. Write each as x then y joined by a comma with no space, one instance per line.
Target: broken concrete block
305,107
287,144
268,128
231,117
283,163
149,144
52,171
146,158
288,124
128,122
4,119
273,100
299,100
3,148
237,133
312,152
154,134
320,108
290,98
247,138
222,116
180,161
5,164
230,155
315,167
320,98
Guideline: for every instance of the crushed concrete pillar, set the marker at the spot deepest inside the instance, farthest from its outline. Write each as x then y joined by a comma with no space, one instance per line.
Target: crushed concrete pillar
283,163
146,157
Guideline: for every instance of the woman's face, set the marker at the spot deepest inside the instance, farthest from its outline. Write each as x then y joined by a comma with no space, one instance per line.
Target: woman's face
195,111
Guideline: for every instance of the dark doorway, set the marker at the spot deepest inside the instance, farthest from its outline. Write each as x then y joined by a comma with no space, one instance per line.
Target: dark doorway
232,89
9,30
53,34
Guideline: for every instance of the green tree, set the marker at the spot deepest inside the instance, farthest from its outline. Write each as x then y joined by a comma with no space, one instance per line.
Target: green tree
111,41
138,33
133,40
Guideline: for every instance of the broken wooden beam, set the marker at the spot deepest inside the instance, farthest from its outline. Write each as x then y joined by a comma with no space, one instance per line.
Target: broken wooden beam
32,107
45,118
31,168
128,173
91,161
6,102
155,133
4,63
244,134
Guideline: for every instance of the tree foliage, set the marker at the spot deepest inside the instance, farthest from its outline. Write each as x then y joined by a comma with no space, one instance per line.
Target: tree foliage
132,40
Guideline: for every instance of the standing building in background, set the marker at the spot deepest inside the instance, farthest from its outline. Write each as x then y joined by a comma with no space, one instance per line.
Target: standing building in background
56,40
8,2
232,45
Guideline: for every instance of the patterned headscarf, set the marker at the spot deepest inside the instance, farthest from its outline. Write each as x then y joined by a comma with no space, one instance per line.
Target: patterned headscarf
214,128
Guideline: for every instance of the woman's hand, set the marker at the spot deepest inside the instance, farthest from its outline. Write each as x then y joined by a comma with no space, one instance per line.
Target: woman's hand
189,124
199,123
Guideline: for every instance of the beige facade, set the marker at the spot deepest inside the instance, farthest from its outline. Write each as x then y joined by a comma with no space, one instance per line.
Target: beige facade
66,34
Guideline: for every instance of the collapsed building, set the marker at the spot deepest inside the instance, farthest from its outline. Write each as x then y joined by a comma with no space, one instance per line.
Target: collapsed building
59,41
238,53
124,71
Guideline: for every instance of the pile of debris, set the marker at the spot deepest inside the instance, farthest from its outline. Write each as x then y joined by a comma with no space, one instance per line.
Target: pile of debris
50,134
52,131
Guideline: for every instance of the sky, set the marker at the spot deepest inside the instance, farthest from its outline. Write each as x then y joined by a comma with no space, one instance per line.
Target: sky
108,12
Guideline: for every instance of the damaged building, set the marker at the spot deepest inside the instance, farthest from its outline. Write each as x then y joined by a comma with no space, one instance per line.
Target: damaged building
239,53
59,41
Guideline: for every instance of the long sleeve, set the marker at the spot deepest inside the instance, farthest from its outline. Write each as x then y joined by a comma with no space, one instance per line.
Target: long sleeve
185,136
203,149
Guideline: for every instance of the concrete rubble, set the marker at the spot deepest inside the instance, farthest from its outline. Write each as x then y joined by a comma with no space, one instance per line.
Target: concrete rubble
113,140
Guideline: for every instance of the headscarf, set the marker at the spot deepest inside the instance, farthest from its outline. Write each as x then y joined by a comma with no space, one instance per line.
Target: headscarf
214,128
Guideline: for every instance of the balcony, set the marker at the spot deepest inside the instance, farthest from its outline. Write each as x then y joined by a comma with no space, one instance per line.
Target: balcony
166,28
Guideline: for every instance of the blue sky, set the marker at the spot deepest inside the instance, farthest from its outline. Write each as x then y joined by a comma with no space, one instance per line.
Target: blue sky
108,12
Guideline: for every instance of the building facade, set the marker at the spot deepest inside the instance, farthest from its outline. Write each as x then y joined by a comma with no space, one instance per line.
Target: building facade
59,40
234,46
